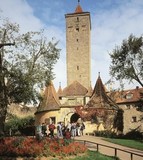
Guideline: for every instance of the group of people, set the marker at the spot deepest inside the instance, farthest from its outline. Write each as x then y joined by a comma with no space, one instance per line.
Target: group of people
70,130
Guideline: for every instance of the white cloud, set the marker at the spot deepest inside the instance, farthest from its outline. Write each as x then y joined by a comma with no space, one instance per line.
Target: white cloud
109,28
20,12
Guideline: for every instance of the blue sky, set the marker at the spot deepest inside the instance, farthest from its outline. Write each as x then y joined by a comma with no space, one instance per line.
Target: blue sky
111,20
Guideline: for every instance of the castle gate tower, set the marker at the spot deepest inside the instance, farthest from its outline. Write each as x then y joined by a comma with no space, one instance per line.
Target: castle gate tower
78,27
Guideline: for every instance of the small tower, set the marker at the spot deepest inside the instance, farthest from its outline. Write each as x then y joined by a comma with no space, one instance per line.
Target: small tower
78,28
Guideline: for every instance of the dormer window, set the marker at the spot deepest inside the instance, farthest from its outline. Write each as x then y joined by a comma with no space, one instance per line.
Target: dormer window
129,95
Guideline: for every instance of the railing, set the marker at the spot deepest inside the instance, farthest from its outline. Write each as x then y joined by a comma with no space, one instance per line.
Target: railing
115,149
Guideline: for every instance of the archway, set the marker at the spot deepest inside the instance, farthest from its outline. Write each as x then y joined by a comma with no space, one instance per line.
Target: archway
74,117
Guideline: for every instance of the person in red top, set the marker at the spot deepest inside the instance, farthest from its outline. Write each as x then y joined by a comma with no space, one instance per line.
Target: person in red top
51,129
67,134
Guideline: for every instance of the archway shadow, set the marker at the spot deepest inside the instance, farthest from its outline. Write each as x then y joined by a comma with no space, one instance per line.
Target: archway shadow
74,118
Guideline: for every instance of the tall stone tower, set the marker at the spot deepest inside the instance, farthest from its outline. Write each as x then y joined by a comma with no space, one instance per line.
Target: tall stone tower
78,27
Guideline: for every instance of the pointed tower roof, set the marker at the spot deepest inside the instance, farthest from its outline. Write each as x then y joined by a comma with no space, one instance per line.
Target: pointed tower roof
75,89
60,91
50,100
99,97
78,8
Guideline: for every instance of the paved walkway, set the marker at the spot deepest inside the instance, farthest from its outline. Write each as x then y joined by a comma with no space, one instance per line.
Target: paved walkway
109,151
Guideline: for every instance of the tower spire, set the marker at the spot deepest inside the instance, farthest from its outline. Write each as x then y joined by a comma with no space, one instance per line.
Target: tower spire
78,8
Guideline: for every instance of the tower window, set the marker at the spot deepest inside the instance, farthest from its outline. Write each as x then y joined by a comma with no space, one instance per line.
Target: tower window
77,40
77,29
60,98
134,119
77,19
77,67
129,96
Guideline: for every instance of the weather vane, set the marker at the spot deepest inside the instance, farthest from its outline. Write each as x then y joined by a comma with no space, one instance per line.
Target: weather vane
78,1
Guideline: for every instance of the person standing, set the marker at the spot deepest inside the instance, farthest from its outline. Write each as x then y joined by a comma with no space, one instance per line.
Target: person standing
39,135
78,129
59,130
44,128
82,127
51,129
73,129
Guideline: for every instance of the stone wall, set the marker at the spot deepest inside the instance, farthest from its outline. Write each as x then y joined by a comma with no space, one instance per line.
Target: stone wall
78,48
132,119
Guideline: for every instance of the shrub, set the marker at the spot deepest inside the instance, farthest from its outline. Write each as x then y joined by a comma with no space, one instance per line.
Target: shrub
134,134
23,126
106,133
30,147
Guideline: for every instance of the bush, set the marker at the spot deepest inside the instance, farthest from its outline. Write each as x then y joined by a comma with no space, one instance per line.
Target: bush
30,147
23,126
106,133
134,134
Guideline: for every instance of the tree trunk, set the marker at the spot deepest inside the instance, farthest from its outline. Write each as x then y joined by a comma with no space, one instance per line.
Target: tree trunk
3,108
3,98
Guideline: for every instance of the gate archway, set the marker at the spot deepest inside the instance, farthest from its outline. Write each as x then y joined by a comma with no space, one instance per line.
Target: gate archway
71,117
74,117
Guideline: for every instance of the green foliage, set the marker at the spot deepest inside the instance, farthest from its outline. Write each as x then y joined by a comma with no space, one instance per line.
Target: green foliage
134,134
118,121
127,60
106,133
25,67
29,65
17,142
17,124
93,155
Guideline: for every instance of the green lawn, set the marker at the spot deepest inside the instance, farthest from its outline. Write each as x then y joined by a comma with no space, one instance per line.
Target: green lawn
93,155
127,142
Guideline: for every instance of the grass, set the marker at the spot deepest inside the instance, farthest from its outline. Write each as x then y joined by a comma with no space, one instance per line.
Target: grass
90,155
93,155
126,142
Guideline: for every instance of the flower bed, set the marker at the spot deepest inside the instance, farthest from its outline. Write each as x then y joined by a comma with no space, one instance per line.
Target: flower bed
30,147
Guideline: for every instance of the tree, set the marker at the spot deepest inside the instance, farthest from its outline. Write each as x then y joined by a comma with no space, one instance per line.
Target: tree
127,60
26,67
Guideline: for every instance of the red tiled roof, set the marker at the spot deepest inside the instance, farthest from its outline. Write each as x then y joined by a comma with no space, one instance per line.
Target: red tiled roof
75,89
122,96
78,9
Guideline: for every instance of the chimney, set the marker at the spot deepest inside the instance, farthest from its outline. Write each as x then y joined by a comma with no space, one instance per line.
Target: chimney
137,87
